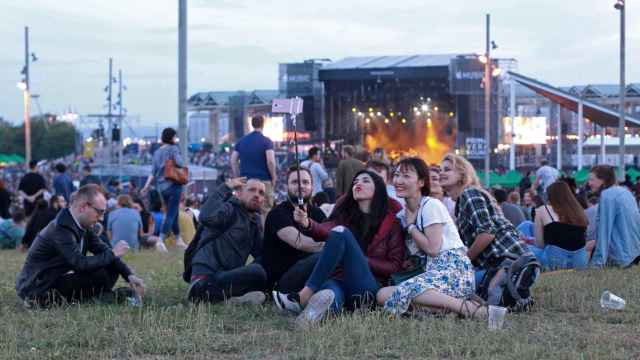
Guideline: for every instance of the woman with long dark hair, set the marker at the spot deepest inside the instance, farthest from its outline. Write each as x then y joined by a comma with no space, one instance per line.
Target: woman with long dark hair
42,216
170,191
448,279
363,247
618,237
560,228
5,201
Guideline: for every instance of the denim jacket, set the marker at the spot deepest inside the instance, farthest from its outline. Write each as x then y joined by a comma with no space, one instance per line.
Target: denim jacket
618,238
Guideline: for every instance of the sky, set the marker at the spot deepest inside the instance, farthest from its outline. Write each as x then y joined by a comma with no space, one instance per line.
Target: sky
237,44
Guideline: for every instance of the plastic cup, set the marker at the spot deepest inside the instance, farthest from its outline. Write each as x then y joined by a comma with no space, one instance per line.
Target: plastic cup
610,301
496,317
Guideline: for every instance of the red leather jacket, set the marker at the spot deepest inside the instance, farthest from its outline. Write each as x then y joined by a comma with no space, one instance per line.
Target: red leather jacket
385,252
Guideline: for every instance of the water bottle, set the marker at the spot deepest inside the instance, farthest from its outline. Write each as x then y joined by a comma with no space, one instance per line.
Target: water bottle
611,301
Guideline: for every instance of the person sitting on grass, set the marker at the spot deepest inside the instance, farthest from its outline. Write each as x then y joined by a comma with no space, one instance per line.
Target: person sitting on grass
492,240
618,221
147,239
12,231
448,278
560,229
125,223
289,256
231,232
58,267
363,247
42,216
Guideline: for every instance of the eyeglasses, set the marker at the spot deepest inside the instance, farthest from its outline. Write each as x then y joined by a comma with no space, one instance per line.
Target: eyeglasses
100,212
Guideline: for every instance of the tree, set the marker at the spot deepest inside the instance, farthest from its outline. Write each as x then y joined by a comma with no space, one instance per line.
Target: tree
48,140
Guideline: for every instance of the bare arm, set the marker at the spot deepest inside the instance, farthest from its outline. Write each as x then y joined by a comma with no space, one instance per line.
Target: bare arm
148,183
480,243
271,165
235,164
539,228
295,239
431,240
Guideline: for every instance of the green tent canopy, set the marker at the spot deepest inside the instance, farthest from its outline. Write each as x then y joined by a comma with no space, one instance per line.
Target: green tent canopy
511,179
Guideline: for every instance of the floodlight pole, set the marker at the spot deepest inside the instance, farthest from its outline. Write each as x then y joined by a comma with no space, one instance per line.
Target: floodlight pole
182,79
487,104
27,99
621,133
512,115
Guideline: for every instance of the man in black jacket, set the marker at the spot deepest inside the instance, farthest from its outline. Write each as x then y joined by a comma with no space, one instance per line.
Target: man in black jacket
231,233
57,266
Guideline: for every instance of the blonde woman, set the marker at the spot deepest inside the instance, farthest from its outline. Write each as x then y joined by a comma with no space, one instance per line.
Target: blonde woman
490,238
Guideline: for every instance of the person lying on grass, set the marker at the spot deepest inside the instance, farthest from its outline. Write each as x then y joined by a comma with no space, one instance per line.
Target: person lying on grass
363,247
58,268
448,280
231,233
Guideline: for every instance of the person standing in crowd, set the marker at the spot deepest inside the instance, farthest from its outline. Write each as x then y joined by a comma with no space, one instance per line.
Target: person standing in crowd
525,184
289,256
560,229
32,187
231,232
12,231
347,169
125,223
511,212
5,201
618,221
318,173
448,279
42,216
254,158
363,247
382,170
170,191
545,176
88,178
62,184
528,206
57,265
491,239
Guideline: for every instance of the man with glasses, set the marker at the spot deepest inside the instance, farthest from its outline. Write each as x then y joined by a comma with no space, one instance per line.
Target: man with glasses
58,267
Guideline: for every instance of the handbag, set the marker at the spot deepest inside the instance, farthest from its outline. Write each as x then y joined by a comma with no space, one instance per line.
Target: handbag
418,262
174,173
417,268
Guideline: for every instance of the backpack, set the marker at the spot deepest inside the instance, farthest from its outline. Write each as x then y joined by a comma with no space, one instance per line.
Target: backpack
191,250
511,288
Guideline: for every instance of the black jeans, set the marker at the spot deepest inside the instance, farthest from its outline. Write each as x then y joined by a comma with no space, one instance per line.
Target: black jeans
226,284
296,277
81,286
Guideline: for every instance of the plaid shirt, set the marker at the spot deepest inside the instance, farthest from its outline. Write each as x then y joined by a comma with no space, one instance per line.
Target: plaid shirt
475,215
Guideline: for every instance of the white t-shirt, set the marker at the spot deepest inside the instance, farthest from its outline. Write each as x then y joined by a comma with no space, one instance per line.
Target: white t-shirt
433,211
547,175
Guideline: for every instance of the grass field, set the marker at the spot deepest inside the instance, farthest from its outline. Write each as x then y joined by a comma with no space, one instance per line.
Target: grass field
568,323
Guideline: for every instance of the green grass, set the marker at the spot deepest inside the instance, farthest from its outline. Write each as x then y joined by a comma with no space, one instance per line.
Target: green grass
568,323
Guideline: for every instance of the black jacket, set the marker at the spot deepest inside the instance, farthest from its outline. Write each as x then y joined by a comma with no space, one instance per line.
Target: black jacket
229,235
39,220
60,247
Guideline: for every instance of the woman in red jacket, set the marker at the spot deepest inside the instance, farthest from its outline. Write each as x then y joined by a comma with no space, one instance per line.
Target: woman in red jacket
363,247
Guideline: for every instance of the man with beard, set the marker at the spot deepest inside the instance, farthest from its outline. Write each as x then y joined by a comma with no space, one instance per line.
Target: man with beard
289,256
231,232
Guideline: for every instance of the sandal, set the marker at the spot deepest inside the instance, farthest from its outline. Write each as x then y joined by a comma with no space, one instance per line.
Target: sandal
465,312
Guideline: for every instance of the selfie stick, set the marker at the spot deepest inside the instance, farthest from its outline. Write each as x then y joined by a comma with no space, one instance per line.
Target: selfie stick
295,146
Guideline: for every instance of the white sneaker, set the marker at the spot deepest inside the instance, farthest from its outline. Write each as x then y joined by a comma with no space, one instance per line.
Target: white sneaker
251,298
286,302
316,309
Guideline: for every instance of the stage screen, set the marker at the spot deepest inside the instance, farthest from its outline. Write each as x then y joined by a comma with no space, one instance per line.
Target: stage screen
528,130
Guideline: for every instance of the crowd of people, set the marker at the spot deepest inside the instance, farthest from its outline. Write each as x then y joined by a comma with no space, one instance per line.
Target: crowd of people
406,236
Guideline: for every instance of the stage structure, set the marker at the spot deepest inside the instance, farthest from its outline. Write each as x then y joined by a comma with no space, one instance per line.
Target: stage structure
424,105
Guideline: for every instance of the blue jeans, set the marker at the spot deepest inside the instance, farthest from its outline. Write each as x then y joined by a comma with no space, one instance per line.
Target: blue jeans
554,258
357,286
171,197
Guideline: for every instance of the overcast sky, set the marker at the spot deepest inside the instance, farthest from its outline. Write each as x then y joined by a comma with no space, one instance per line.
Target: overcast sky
237,44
